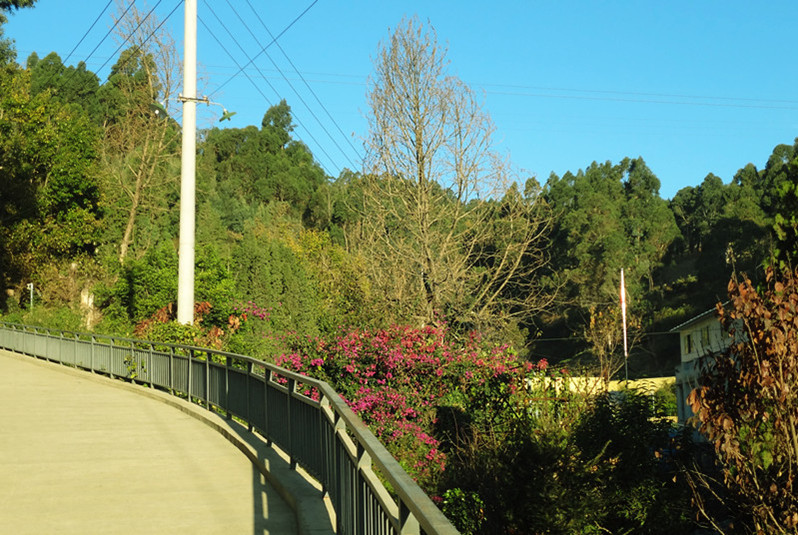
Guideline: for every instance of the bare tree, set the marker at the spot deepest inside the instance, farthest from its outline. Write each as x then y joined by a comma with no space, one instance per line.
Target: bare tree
604,333
442,227
141,141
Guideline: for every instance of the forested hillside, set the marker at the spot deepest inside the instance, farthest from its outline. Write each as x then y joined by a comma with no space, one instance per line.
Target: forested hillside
437,228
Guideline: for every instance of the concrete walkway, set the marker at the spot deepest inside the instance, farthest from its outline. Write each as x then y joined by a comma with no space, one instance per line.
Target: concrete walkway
84,454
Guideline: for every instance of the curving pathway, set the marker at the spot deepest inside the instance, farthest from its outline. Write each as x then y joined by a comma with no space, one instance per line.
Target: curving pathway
81,455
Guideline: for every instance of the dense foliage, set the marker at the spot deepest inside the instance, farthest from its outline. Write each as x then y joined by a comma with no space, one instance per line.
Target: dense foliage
747,405
506,445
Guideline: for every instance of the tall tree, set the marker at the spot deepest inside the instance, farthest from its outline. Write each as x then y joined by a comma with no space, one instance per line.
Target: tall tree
648,222
141,146
49,199
698,210
427,201
608,217
781,173
74,85
254,166
6,5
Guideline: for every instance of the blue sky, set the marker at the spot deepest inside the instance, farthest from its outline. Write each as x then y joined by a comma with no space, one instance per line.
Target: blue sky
692,87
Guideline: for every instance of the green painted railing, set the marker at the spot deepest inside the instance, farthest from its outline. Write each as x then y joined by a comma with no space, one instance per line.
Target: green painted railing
321,435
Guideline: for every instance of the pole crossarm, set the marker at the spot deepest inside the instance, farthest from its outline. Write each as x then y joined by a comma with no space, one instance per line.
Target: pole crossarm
203,100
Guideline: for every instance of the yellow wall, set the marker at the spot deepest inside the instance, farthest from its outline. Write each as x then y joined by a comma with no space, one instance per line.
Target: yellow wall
591,385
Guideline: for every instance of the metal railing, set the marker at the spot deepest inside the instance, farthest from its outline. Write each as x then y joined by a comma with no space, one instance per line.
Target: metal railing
319,432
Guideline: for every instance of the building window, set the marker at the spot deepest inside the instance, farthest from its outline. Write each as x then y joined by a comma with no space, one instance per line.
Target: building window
705,337
688,344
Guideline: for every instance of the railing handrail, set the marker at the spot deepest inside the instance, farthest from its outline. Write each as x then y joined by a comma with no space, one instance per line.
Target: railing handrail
414,504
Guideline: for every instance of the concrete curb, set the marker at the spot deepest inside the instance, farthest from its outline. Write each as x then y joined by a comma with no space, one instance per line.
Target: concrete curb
312,508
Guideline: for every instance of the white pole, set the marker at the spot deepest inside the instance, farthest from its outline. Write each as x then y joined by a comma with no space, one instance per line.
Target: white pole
185,273
623,314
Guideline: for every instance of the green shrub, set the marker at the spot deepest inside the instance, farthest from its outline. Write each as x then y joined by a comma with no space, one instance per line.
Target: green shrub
61,318
665,399
465,509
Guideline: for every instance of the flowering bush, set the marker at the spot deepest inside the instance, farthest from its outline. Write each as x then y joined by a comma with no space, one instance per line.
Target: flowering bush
397,379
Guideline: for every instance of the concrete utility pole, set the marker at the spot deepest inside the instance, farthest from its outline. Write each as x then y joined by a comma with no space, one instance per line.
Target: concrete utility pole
185,273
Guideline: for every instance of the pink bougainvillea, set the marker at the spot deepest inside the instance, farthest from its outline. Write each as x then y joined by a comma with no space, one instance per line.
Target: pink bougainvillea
395,379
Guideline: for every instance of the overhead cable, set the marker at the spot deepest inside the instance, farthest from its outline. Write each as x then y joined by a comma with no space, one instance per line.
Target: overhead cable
354,149
299,96
179,3
257,88
108,32
87,31
252,60
142,21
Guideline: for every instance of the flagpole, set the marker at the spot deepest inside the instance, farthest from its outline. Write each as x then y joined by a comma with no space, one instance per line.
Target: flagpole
623,314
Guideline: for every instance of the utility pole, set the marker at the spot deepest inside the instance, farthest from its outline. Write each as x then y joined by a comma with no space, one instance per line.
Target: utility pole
185,274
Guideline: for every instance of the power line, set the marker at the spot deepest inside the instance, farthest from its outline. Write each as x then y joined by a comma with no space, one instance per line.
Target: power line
639,93
303,80
87,31
649,101
129,36
267,46
299,122
72,75
299,96
50,79
142,21
583,338
310,110
257,88
224,70
108,33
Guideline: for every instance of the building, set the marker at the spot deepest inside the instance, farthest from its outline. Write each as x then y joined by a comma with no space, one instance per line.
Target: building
700,337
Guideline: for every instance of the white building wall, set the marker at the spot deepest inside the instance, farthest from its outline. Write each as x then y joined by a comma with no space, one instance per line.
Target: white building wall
700,338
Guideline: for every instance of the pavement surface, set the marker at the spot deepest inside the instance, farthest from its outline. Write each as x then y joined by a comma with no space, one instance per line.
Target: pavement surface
80,453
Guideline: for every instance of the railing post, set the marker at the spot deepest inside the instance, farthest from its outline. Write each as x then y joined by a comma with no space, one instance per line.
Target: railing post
227,361
135,362
149,366
188,389
291,388
324,407
207,380
77,349
111,359
267,379
75,346
363,464
249,400
60,342
91,353
408,524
